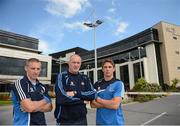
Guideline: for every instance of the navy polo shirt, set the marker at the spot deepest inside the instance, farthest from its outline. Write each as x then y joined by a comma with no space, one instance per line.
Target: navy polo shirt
23,89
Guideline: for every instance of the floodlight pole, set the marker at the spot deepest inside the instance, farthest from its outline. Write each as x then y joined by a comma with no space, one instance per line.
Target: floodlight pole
94,25
95,55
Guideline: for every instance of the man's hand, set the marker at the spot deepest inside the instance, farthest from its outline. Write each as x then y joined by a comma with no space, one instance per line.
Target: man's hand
70,93
86,102
98,99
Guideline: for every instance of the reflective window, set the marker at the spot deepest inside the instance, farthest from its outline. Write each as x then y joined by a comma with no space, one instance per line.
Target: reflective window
91,76
100,74
15,66
138,70
32,44
124,75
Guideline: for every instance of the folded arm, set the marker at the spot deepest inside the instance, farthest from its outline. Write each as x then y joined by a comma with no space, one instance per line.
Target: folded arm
33,106
46,108
103,103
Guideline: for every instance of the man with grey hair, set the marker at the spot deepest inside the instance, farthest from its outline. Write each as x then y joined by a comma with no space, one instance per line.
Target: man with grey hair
72,90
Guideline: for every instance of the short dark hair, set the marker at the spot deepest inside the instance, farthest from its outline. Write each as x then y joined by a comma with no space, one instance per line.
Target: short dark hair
32,60
108,61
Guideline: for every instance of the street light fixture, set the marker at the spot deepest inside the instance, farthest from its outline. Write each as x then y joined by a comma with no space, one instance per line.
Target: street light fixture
94,25
139,51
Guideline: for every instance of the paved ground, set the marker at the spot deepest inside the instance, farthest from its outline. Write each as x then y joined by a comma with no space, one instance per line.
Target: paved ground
6,116
164,111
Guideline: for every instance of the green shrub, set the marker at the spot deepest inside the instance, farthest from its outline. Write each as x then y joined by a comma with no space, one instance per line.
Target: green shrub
143,86
175,81
173,87
140,85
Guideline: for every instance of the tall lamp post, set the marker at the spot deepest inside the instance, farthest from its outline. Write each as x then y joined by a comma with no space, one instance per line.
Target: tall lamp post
94,25
139,52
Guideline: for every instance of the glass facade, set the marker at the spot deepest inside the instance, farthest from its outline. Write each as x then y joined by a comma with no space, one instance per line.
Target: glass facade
18,40
91,76
124,75
137,72
15,66
124,46
122,52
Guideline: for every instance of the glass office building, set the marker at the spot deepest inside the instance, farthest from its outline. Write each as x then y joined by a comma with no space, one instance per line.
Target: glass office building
152,54
14,50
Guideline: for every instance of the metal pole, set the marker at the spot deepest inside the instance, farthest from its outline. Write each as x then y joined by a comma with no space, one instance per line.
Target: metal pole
139,50
95,55
59,64
95,51
93,25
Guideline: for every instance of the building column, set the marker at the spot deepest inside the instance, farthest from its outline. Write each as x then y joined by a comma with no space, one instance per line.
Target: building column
131,75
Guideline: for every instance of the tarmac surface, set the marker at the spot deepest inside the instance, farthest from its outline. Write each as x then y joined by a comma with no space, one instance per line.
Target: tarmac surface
162,111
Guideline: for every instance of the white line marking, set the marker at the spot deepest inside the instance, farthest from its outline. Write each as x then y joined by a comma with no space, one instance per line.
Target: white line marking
153,118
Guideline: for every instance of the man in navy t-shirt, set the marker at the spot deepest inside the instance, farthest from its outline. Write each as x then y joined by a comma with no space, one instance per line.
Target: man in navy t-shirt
30,97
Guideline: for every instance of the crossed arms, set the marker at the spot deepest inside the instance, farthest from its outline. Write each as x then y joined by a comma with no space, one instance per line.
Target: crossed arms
33,106
103,103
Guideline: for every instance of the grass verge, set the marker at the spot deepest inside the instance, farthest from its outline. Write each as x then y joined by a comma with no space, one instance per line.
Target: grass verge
9,102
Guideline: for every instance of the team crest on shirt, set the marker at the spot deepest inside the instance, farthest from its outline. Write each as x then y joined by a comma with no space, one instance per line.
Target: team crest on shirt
110,89
42,91
31,89
99,88
72,83
82,83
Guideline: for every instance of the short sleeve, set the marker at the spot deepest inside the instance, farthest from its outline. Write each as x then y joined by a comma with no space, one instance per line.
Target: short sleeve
21,90
46,93
119,89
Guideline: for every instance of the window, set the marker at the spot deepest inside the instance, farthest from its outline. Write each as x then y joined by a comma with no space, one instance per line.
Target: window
15,66
178,68
12,41
175,38
177,52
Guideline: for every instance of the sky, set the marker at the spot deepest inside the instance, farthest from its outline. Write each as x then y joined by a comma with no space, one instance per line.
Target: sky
58,24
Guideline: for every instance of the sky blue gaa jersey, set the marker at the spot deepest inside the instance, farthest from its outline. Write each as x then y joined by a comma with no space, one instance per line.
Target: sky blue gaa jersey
108,90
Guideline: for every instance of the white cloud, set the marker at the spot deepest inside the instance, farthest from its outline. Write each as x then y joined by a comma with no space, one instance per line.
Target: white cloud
112,10
76,25
113,3
121,28
66,8
43,46
50,36
113,21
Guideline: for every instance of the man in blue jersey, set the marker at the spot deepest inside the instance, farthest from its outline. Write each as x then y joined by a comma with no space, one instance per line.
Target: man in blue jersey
110,94
30,97
72,90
